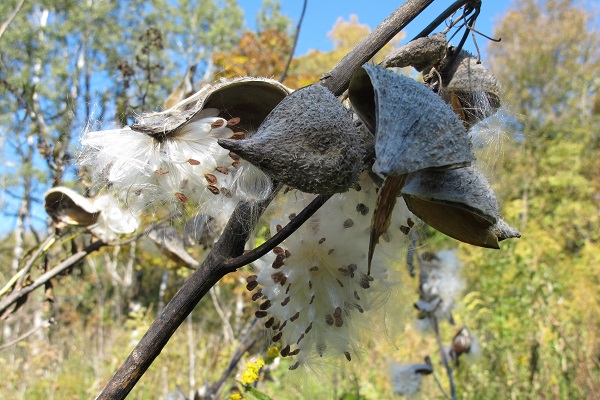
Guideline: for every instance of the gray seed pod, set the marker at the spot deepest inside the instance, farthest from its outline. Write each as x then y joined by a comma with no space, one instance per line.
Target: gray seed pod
504,231
459,203
414,129
470,88
422,53
250,99
308,142
66,206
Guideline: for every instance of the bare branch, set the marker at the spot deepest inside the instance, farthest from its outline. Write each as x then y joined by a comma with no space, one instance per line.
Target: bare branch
293,49
19,294
338,79
11,17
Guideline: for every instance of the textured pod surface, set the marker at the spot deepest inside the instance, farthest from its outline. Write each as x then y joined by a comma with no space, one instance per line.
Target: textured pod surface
249,99
414,129
422,53
66,206
459,203
309,142
470,88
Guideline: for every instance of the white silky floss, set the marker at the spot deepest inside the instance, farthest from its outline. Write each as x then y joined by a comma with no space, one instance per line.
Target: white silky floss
315,294
187,165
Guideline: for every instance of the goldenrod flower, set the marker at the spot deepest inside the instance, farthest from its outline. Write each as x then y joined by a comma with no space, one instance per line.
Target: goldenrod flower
251,373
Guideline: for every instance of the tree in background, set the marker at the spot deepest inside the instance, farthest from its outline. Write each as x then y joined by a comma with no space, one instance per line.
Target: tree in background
536,306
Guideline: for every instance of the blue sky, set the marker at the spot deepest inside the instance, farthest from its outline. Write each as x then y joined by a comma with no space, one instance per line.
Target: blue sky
321,16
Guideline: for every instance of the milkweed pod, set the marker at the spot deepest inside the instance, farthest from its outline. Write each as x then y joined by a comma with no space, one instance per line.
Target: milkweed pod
504,231
414,129
249,99
66,206
470,88
422,53
308,141
171,243
459,203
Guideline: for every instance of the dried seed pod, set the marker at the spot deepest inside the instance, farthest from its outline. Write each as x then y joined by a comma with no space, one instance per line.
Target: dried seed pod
459,203
422,53
171,243
249,99
66,206
414,129
308,142
470,88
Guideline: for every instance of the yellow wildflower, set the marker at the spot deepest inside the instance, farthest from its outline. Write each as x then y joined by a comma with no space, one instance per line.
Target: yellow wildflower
272,353
250,375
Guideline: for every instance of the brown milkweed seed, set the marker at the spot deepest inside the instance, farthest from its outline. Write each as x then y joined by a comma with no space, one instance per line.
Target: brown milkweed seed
181,197
217,124
191,161
211,179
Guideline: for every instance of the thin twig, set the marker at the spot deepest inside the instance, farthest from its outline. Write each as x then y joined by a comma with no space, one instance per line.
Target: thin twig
289,61
435,378
245,345
436,328
280,236
10,18
19,294
227,329
30,332
19,276
441,18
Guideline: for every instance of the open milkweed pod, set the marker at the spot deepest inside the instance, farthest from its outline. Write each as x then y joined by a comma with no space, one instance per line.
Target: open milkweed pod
459,203
66,206
249,99
309,142
470,88
414,129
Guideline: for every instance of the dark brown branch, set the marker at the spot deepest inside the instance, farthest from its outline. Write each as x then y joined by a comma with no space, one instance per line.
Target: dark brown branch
445,361
230,244
441,18
16,295
289,61
338,79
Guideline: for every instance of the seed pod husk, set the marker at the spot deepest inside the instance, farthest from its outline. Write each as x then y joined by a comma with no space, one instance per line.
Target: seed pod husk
66,206
308,141
422,53
249,99
414,129
459,203
470,88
